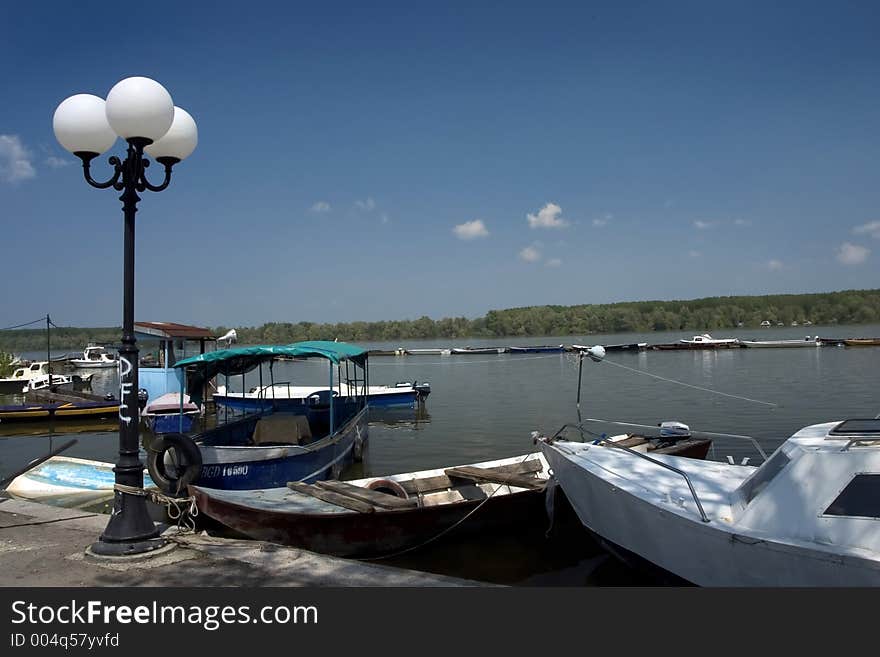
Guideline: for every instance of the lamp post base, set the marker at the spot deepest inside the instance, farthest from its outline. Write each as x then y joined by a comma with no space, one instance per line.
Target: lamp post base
124,549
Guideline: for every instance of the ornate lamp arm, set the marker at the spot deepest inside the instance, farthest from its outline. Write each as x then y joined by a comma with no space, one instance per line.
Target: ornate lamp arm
87,158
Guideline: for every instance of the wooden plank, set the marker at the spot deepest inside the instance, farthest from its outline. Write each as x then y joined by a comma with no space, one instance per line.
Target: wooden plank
330,496
426,484
374,497
441,482
492,475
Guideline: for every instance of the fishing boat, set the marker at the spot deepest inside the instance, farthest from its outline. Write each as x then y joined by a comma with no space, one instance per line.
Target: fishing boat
380,515
170,414
542,349
68,482
59,410
270,448
862,342
808,341
94,357
478,350
49,382
283,396
807,516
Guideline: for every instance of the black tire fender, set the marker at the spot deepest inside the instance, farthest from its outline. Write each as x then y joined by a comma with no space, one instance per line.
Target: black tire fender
179,449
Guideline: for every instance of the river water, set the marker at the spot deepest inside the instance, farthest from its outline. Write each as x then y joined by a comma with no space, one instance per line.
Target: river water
484,407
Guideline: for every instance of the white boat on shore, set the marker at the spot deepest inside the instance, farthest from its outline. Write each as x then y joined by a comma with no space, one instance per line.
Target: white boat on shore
806,517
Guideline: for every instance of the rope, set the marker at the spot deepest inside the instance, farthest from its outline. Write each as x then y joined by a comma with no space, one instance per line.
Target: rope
183,510
448,529
689,385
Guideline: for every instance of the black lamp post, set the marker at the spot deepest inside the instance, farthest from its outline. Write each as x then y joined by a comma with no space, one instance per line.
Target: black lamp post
140,111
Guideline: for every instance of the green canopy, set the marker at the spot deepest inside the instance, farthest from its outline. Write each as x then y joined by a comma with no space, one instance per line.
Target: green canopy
232,362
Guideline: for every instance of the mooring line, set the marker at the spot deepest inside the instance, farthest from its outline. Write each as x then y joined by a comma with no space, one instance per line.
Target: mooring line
689,385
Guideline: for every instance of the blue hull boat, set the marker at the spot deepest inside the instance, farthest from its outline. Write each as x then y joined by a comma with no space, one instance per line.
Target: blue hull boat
256,403
312,442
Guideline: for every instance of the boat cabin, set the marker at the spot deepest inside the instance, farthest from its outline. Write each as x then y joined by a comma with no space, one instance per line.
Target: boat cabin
34,370
821,485
161,345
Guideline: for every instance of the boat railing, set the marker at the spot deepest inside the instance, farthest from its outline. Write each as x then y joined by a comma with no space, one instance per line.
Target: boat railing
711,434
611,443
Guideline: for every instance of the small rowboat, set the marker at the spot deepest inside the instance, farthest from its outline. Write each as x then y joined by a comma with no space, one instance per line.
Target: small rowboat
68,482
479,350
383,515
59,411
542,349
862,342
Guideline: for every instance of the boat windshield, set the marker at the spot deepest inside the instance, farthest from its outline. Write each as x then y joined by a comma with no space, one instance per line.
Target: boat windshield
752,486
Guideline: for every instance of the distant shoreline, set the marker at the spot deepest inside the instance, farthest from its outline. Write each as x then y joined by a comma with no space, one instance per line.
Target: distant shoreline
699,315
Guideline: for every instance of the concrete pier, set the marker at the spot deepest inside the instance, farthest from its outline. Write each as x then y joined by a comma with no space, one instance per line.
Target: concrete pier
45,546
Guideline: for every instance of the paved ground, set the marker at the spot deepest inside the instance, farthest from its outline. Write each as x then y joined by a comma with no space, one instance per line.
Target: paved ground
45,546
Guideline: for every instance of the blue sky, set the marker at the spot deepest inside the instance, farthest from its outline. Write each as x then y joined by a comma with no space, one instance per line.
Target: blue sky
404,159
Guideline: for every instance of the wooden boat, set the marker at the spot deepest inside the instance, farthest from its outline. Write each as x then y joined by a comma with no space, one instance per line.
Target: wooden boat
382,515
782,344
806,517
59,410
862,342
478,350
542,349
68,482
272,448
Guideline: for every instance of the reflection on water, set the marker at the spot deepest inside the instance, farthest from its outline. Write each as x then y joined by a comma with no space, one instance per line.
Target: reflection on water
483,408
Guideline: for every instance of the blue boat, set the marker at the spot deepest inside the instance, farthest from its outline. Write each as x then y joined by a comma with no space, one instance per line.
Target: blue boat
288,398
314,442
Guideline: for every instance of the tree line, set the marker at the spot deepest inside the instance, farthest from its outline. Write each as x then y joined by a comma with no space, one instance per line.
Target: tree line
710,313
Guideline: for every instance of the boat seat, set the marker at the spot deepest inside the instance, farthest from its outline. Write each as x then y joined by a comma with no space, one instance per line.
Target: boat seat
283,429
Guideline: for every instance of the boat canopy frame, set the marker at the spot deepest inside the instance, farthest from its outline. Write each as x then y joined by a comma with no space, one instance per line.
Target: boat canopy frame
241,360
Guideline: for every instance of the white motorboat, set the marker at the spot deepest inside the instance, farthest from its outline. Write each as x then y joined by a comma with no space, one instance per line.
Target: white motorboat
48,382
806,517
706,339
94,357
808,341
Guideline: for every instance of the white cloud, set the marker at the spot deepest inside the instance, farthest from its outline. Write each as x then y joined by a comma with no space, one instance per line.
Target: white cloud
369,204
742,222
471,230
694,254
871,228
852,254
702,225
58,162
385,218
774,265
15,160
547,217
320,206
530,254
553,262
598,223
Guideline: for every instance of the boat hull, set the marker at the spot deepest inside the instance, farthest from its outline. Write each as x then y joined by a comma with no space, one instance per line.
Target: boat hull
251,467
291,518
170,422
707,554
402,397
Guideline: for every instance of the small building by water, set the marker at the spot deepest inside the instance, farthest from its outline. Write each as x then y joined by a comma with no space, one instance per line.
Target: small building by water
161,345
